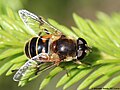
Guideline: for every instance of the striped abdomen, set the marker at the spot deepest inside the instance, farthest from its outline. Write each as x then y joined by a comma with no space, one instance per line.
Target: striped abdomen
36,46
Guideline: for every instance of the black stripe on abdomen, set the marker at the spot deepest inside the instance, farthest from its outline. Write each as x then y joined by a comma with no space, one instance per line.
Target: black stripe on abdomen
33,46
43,44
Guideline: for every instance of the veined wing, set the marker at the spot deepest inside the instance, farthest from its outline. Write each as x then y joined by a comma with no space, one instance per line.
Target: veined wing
30,64
36,23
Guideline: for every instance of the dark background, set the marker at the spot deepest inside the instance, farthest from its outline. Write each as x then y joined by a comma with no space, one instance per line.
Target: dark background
62,10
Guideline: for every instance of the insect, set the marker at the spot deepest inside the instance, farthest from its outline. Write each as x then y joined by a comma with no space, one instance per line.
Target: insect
49,46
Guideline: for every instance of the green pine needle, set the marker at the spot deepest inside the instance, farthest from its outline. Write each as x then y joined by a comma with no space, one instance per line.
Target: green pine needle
103,36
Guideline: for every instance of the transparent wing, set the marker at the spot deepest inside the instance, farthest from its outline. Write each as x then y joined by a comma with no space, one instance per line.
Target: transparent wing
30,64
29,67
35,23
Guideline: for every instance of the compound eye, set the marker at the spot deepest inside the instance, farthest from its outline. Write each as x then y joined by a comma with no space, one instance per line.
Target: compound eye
81,41
80,54
81,48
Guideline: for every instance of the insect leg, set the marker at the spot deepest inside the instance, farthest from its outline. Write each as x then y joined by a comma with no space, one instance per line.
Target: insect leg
46,31
82,63
39,34
44,69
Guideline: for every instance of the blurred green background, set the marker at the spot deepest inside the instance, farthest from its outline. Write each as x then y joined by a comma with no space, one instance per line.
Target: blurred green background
61,11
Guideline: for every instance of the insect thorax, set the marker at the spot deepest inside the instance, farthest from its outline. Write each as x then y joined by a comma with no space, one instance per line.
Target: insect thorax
64,48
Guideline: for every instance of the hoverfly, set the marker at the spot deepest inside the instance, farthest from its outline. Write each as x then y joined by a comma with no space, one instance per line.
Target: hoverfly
51,47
